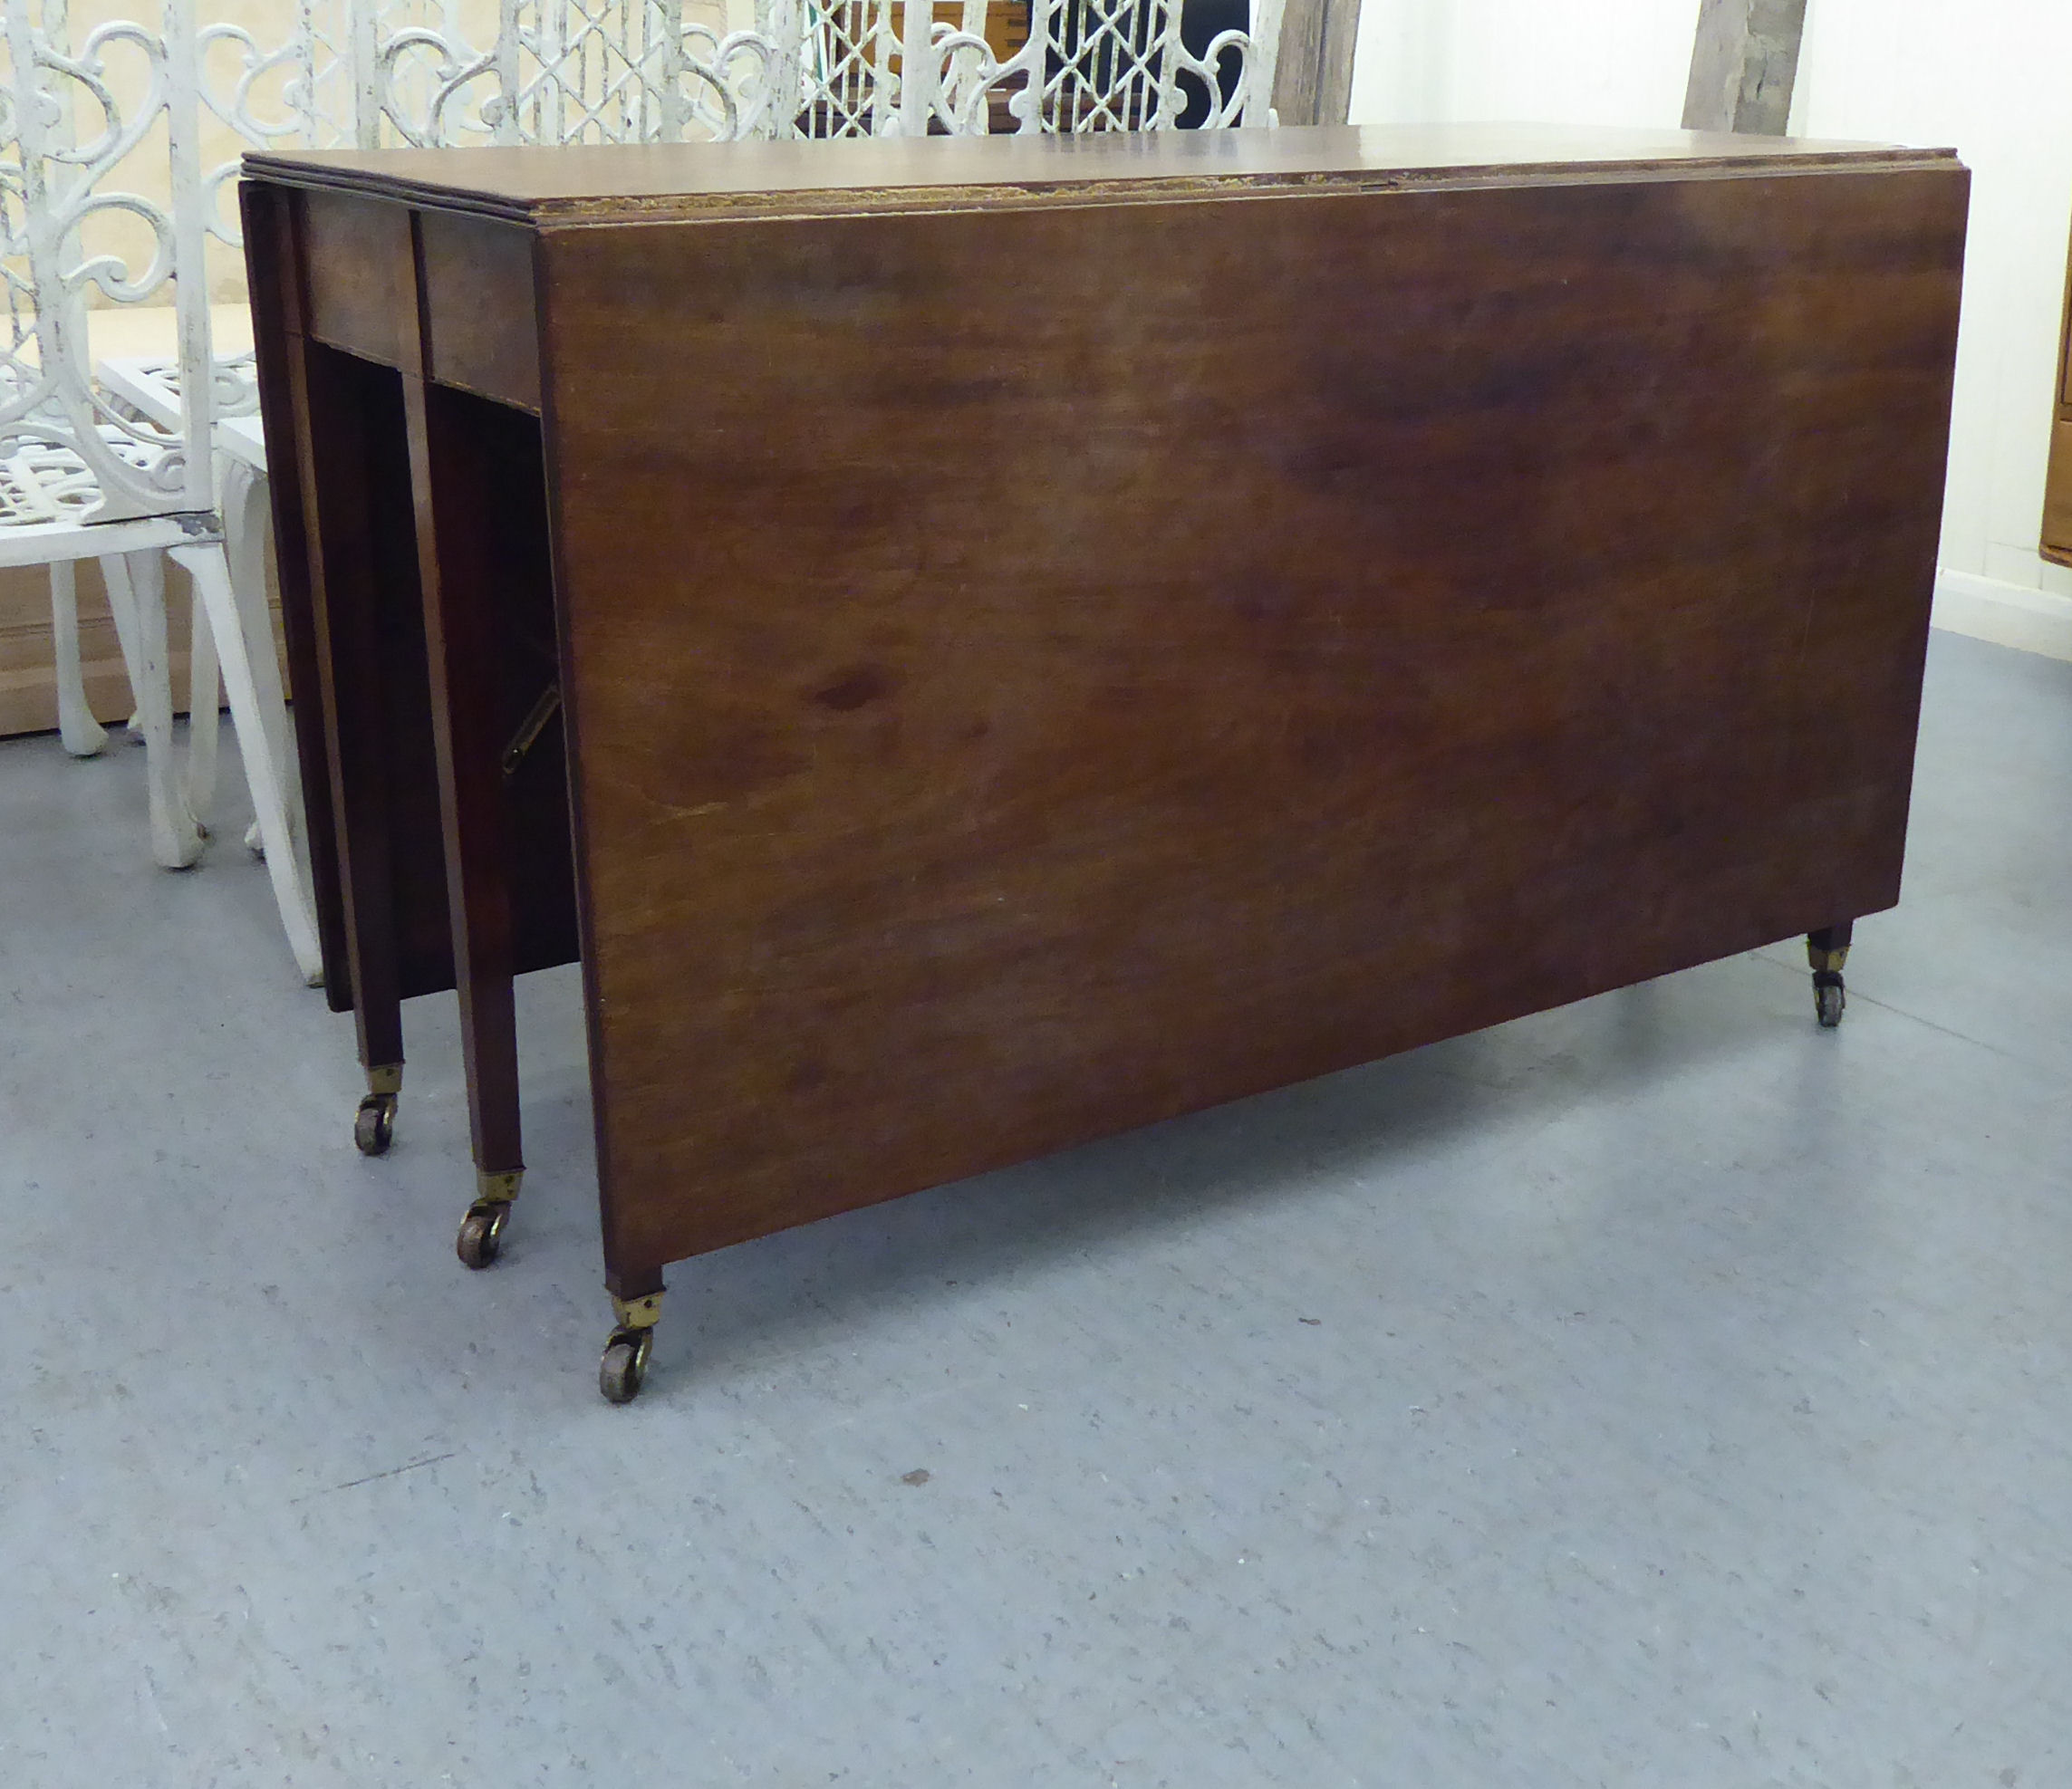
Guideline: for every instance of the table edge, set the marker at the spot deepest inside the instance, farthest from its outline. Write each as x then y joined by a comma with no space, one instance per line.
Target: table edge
563,213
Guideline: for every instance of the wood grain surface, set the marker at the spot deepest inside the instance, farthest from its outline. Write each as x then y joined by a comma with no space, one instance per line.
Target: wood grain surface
2057,494
1091,664
360,280
480,333
1744,62
1312,68
2057,474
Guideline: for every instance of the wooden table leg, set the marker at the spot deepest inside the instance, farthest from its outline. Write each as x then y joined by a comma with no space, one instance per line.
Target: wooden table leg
335,448
453,491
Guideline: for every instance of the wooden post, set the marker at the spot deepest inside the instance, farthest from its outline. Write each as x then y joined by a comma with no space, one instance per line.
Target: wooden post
1313,76
2057,474
1743,65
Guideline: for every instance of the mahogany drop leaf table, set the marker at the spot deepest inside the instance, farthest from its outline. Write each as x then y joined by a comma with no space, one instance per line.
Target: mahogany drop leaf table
978,644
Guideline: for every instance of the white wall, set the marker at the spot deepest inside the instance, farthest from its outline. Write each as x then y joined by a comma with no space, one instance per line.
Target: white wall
1993,78
1561,61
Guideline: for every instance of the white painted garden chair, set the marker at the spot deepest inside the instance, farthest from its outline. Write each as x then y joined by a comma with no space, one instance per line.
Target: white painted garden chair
83,475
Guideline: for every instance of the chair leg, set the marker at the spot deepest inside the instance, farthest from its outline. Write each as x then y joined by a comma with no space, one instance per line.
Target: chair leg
115,576
137,598
210,570
203,717
83,736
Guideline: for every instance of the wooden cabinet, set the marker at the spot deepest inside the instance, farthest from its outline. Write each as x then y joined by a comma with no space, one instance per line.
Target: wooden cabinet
2057,491
2057,481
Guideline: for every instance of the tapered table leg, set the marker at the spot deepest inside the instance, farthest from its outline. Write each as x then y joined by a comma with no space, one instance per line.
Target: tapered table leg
455,503
339,452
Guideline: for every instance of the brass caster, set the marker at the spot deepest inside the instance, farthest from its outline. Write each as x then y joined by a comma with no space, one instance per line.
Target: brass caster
1827,951
632,1340
374,1125
481,1237
625,1364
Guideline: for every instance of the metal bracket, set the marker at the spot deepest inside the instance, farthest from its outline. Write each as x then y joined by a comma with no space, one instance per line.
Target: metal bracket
637,1314
497,1188
385,1078
531,727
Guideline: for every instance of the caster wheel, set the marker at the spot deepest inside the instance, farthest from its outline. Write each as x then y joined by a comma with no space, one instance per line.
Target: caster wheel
1828,1000
481,1237
374,1125
624,1365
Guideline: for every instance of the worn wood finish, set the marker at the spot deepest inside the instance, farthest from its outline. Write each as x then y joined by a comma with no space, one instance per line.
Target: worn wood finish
1744,62
617,184
1015,712
1312,73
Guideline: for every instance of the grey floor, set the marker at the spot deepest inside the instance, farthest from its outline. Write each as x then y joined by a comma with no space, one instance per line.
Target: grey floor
1659,1391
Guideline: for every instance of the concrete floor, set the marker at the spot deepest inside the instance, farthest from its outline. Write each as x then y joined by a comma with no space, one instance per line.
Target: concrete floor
1659,1392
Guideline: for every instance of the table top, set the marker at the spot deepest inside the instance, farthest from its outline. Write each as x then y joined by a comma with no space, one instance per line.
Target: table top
616,183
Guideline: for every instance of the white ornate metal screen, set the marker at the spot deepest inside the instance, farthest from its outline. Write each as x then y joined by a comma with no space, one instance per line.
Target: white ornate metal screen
1115,66
453,73
73,117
